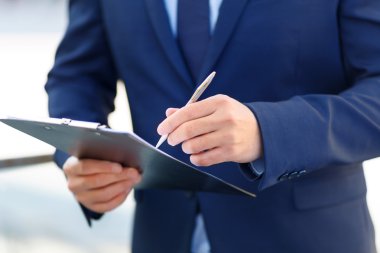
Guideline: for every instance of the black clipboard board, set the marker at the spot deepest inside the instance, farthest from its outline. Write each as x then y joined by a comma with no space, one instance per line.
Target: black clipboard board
87,140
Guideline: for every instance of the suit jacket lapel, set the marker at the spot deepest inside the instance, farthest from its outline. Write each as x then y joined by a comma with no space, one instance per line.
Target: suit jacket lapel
229,14
160,23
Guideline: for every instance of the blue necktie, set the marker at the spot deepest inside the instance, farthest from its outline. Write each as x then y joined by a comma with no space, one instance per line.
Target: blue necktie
193,32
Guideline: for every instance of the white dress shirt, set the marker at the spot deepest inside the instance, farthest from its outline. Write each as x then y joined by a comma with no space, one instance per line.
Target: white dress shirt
171,7
200,243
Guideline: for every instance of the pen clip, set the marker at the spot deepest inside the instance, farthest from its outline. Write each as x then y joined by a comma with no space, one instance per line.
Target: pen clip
201,88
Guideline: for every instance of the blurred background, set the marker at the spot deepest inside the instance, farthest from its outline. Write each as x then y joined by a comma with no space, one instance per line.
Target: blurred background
37,212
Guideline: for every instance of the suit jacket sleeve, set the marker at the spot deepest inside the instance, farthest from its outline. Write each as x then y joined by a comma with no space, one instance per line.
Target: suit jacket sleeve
315,131
82,83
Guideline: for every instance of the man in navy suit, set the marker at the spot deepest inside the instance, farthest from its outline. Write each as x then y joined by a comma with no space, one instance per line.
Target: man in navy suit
292,114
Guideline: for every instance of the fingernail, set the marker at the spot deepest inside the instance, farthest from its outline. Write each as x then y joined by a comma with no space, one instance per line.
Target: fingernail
160,130
171,143
131,173
116,168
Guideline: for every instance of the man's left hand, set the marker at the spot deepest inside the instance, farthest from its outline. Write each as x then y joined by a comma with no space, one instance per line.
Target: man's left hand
215,130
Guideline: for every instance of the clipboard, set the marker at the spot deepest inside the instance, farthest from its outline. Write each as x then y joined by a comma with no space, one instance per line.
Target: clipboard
88,140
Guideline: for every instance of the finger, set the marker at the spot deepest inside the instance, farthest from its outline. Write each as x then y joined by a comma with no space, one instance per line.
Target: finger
189,112
170,111
89,167
110,205
133,174
194,128
91,182
210,157
205,142
105,194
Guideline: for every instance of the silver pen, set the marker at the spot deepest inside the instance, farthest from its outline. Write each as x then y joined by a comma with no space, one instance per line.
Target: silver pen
198,92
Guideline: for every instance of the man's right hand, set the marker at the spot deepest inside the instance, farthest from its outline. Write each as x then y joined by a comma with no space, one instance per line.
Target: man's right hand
99,185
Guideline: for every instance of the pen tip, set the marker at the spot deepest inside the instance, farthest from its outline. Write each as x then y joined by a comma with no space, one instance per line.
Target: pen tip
162,140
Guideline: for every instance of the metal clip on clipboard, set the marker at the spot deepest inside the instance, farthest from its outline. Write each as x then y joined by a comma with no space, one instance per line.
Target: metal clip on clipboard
82,124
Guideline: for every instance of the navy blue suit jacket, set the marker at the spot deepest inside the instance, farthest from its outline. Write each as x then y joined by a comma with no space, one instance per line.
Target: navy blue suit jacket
309,70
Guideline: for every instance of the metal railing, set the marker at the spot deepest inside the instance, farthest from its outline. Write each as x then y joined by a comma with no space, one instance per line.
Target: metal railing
25,161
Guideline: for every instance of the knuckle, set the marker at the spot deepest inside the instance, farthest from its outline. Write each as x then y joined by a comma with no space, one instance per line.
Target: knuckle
65,167
189,111
170,125
230,117
68,173
70,163
84,183
69,170
96,181
71,186
223,99
79,169
187,131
